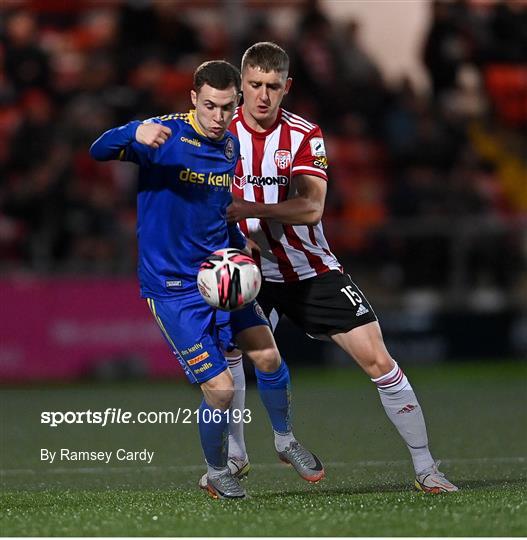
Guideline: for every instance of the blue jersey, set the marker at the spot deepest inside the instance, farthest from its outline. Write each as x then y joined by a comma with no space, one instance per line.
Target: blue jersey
184,191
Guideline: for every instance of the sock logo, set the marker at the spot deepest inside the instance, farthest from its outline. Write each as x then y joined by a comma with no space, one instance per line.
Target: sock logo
407,408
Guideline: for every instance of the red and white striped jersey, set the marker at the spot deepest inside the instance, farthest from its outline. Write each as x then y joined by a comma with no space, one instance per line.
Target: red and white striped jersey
269,161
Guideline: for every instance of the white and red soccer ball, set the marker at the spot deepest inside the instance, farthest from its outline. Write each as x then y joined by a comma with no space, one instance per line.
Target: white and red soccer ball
228,279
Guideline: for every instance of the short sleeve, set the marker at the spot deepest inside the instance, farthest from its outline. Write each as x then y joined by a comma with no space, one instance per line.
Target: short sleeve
311,156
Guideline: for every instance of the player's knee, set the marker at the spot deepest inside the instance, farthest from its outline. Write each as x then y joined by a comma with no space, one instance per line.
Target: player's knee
379,364
219,391
224,399
267,360
219,398
385,363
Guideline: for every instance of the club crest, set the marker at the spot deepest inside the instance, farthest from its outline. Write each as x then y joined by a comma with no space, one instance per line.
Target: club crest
229,149
282,158
260,312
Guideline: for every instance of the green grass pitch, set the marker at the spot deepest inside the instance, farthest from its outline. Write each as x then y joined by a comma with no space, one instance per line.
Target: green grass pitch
476,416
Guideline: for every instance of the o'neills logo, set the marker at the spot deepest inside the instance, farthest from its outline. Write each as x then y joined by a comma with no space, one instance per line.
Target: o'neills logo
261,181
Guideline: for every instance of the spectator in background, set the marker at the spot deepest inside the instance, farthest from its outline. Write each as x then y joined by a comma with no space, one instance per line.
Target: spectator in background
178,39
39,171
509,32
317,66
417,192
138,38
447,47
360,75
26,63
7,89
258,29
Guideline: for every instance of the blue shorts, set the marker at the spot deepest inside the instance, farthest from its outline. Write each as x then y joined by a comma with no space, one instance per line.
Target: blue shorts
198,334
230,324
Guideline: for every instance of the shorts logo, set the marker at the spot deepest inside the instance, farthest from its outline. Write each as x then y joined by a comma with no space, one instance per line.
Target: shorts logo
282,158
229,149
172,283
196,347
198,358
203,368
362,310
317,147
261,181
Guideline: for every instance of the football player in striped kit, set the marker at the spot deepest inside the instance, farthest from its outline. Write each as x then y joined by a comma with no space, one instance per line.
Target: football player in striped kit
279,193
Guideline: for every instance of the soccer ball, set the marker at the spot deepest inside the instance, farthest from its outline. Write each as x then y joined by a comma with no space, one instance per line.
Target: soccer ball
229,279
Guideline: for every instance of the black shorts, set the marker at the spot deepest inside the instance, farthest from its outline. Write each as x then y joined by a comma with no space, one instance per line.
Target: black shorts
321,306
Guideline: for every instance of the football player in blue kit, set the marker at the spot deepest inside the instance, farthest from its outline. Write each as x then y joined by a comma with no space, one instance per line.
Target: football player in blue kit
186,164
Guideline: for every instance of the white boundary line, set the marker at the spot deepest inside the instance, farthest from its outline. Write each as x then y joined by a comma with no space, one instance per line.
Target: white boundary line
199,468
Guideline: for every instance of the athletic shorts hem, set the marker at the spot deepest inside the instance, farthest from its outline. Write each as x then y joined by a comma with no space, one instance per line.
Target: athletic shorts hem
209,375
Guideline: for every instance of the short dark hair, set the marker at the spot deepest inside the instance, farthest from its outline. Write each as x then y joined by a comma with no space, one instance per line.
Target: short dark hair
217,73
267,56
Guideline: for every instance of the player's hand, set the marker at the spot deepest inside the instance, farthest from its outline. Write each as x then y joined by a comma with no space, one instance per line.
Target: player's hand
240,209
252,246
153,135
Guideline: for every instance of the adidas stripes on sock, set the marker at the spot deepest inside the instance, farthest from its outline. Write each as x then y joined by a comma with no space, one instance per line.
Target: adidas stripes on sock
403,409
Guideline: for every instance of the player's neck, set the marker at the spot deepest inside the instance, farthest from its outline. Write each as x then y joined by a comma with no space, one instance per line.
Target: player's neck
258,125
194,122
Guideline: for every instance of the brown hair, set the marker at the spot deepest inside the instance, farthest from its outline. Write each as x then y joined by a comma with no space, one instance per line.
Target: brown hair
217,73
267,56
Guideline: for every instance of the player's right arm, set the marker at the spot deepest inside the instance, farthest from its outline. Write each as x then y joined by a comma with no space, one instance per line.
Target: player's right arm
305,208
134,141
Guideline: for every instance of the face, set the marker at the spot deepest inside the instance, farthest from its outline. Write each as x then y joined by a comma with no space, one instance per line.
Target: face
214,109
262,95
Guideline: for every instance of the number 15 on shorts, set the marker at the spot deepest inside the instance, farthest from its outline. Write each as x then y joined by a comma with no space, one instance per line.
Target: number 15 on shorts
353,296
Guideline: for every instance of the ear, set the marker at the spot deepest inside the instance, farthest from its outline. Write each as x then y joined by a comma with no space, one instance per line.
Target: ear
194,97
288,84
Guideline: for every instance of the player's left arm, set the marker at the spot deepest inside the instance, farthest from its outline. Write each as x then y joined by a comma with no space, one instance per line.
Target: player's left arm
305,208
135,141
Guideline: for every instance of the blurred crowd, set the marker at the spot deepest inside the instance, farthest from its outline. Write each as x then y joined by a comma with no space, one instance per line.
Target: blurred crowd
406,167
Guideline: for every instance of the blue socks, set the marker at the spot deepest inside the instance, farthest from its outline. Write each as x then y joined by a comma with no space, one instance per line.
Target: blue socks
274,393
214,435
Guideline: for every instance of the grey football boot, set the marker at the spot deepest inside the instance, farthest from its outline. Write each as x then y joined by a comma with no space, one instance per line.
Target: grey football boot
239,469
306,464
224,486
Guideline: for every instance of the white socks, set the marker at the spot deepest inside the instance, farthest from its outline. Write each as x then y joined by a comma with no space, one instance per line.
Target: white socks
398,399
403,409
236,440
